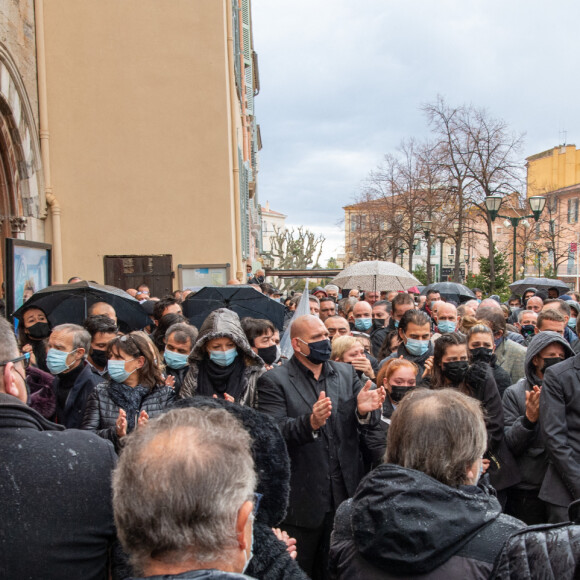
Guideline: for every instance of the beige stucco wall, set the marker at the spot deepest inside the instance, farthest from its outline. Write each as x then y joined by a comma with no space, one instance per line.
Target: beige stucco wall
140,130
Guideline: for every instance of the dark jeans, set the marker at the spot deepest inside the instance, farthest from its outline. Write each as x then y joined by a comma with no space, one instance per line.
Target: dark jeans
525,505
313,546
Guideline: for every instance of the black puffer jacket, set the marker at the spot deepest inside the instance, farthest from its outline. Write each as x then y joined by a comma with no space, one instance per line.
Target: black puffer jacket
271,561
402,522
101,412
548,551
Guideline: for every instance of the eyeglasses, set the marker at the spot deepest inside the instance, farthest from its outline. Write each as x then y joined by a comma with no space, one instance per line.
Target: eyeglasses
25,358
257,499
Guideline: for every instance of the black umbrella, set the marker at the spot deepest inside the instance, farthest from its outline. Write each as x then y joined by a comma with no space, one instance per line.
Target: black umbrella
243,300
520,286
451,291
69,303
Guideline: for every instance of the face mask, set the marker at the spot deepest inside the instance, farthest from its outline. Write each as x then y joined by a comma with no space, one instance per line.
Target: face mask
116,370
417,347
378,323
249,558
99,357
446,326
528,329
39,330
269,354
260,279
431,304
319,351
481,354
175,360
396,323
572,323
397,393
548,362
56,361
479,300
455,371
363,323
224,358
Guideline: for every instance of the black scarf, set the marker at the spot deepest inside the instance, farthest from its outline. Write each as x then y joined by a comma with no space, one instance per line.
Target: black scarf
129,399
213,379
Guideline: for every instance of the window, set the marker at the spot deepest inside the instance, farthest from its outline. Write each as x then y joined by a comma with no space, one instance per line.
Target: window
552,204
573,211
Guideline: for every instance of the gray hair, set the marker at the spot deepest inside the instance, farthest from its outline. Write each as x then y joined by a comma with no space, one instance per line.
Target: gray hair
179,485
441,433
81,337
8,346
522,313
331,287
183,332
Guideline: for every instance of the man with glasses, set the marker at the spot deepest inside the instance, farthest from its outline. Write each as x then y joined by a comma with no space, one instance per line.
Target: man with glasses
57,517
203,457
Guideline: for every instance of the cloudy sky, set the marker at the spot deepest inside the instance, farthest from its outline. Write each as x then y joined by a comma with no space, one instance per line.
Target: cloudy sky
342,83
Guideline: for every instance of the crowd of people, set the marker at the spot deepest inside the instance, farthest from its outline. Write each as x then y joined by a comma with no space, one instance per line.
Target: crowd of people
404,436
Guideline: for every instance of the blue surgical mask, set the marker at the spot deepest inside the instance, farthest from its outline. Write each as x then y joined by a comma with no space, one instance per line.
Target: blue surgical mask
56,361
446,326
572,322
396,324
175,360
224,358
363,323
417,347
116,370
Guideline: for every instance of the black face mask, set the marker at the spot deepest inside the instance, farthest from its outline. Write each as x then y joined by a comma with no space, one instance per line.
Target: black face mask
268,354
39,330
481,354
319,351
378,323
260,279
397,393
455,371
548,362
99,357
528,329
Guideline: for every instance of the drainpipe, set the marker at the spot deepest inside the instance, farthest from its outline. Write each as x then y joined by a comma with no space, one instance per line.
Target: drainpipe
51,200
234,144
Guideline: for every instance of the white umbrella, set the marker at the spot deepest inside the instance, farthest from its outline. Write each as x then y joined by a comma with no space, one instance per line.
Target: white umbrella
374,276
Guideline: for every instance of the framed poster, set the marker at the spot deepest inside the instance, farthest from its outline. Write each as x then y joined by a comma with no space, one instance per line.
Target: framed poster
28,268
195,276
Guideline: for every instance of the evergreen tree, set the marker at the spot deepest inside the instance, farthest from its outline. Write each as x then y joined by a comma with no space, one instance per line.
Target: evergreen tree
502,275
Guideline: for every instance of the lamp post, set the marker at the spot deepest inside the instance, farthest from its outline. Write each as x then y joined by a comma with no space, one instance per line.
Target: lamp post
493,204
427,224
441,240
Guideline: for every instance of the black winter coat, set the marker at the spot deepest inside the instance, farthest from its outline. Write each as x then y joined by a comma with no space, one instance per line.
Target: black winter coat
55,498
547,551
199,575
403,523
102,412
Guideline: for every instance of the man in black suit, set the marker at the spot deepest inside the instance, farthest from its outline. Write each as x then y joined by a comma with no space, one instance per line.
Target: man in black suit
320,406
55,487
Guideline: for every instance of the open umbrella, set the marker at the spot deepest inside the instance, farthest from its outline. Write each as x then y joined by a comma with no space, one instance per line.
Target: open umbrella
243,300
69,303
451,291
520,286
375,276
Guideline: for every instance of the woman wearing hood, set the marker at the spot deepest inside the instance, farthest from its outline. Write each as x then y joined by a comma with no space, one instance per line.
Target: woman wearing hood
222,362
521,407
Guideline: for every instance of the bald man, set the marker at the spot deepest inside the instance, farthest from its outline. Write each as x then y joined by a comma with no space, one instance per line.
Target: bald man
320,407
102,309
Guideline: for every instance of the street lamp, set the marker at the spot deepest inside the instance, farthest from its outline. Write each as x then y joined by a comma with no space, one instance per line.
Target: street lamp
441,240
493,204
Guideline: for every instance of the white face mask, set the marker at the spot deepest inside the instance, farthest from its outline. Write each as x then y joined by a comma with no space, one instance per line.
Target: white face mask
251,555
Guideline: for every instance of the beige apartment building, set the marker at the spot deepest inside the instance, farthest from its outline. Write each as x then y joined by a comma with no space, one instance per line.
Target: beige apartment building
128,139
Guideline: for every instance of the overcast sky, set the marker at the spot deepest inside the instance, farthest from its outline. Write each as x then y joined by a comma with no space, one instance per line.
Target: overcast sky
342,83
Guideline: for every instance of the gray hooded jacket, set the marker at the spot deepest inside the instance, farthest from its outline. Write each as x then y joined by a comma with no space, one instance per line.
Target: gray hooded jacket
523,437
219,323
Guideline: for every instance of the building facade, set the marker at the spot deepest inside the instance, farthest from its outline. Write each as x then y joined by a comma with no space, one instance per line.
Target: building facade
555,173
151,139
272,221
